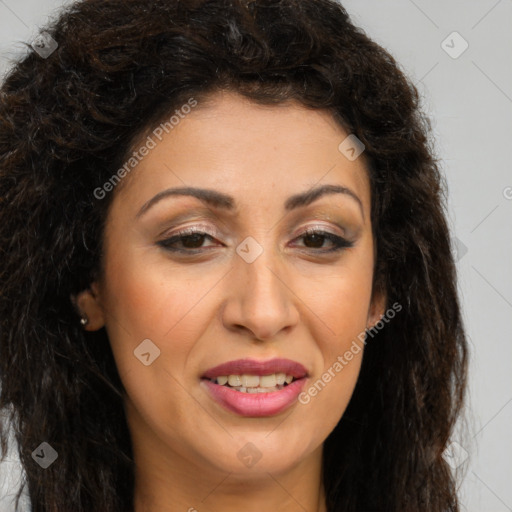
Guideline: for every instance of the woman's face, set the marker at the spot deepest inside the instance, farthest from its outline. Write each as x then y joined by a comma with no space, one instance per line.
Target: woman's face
256,287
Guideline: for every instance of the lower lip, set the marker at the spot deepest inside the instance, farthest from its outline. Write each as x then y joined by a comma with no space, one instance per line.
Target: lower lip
255,404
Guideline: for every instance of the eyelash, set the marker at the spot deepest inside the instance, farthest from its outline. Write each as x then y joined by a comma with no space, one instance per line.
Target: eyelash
339,242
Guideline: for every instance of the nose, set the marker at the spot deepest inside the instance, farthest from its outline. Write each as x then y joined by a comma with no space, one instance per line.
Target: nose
261,300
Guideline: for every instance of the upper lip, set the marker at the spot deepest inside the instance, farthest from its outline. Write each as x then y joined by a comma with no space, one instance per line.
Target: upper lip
255,367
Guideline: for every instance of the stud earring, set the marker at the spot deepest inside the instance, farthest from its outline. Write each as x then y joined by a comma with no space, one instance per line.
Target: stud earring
84,321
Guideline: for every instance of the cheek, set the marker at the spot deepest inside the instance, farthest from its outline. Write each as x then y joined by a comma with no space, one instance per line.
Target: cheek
141,304
156,299
342,310
325,398
340,305
145,303
340,301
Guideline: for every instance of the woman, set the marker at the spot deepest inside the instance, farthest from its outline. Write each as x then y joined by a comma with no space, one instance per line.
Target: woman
227,280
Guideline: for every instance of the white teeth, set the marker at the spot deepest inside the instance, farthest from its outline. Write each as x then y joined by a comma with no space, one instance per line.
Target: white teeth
255,382
250,381
234,381
258,390
280,378
266,390
268,381
222,380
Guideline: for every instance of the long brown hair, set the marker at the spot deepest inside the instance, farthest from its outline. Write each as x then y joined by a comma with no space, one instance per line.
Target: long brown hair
67,122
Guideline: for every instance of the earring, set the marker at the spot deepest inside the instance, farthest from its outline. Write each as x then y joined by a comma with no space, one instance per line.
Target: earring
84,320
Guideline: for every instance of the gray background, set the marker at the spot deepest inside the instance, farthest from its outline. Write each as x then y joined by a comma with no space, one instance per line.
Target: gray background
469,99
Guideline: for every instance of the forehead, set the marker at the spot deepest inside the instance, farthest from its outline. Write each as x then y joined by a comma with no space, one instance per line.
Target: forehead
247,150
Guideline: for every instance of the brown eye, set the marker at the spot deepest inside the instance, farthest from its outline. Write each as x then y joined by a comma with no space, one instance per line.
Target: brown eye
193,241
190,241
318,237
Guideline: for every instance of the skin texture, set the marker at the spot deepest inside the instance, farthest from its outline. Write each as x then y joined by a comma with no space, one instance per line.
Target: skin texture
292,302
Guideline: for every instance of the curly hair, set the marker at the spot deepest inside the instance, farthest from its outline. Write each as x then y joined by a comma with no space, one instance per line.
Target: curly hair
68,121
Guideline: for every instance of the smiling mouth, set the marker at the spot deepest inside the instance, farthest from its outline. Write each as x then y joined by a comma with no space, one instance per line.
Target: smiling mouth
253,388
254,383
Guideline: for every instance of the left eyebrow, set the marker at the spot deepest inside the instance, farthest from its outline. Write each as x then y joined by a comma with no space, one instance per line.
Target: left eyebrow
305,198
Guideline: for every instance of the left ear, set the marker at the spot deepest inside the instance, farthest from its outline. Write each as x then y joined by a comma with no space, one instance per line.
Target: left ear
377,308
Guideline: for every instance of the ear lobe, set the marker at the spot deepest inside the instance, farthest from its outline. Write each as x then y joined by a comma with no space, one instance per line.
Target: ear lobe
88,304
377,308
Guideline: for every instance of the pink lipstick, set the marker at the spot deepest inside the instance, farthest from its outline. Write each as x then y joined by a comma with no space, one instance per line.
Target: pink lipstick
254,388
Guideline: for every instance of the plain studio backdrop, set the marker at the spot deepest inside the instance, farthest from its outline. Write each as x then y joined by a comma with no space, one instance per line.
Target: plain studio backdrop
459,55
